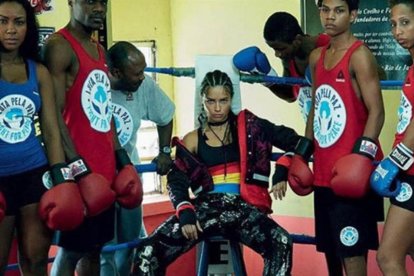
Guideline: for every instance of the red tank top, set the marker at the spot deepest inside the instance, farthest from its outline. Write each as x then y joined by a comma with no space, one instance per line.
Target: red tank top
405,110
88,110
339,118
304,93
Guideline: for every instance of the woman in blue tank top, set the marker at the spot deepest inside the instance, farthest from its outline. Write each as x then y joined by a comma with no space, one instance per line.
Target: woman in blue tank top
25,93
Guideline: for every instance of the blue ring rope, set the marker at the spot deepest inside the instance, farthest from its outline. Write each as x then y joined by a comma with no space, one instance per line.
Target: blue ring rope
190,72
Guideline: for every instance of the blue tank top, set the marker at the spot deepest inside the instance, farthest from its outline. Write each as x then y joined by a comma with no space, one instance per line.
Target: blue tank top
20,149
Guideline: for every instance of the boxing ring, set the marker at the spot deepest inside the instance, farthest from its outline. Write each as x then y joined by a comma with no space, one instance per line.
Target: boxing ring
248,78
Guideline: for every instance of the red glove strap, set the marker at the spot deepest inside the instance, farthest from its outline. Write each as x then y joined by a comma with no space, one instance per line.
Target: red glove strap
285,160
183,207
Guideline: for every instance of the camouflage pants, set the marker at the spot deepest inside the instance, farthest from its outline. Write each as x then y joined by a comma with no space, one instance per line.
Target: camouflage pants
219,214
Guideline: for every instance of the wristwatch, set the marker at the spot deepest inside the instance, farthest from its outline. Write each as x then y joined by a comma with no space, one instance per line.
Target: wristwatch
166,150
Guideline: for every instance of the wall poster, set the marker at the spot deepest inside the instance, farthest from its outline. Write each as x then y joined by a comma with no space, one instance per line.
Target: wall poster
373,27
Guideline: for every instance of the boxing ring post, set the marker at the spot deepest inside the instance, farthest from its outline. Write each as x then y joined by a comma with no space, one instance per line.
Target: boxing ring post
190,72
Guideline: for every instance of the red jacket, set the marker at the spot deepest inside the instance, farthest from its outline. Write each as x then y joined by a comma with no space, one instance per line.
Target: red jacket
256,138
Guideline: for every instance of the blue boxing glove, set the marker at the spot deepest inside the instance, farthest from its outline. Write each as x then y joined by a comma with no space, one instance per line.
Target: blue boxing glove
253,61
383,178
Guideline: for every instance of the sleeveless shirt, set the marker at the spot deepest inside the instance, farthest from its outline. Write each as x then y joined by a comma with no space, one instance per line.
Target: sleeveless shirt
304,93
223,164
339,116
405,110
88,110
20,149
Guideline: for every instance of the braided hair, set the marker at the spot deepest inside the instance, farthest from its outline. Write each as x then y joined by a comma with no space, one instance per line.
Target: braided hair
213,79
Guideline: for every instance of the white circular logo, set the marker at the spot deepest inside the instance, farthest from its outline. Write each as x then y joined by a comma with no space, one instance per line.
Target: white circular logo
96,100
47,180
404,114
349,236
406,192
330,116
305,101
124,124
16,118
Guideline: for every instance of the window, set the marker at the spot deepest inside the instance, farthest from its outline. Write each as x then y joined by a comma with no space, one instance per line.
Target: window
148,148
147,141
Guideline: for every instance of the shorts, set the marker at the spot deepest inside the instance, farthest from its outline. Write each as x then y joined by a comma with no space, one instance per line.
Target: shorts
405,198
91,235
344,226
23,189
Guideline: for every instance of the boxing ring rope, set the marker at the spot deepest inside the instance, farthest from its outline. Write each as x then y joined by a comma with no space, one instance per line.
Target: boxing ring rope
190,72
152,167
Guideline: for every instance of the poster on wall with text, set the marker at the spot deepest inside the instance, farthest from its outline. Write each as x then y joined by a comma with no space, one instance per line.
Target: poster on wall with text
41,6
373,27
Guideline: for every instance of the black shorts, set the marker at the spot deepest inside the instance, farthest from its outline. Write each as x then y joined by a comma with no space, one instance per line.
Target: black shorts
91,235
344,226
23,189
405,198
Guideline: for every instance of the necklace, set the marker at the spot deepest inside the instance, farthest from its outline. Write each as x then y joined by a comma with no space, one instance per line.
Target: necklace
217,123
223,146
216,135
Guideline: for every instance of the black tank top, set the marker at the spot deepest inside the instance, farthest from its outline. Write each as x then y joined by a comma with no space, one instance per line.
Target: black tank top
212,156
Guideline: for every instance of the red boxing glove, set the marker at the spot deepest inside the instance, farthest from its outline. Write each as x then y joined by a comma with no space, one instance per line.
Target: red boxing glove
351,173
2,207
62,207
300,176
127,184
94,188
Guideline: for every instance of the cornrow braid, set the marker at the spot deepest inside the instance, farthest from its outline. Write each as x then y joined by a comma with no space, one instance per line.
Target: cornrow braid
212,79
216,78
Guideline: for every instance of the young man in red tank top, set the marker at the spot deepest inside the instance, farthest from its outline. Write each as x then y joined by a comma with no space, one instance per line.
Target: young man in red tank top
80,76
284,35
342,130
70,56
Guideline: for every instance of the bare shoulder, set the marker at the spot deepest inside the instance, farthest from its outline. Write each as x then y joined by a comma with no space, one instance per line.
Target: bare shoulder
361,54
41,70
315,55
57,50
56,41
190,141
363,62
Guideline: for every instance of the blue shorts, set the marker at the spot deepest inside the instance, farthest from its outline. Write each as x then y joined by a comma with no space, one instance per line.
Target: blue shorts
405,198
344,226
22,189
